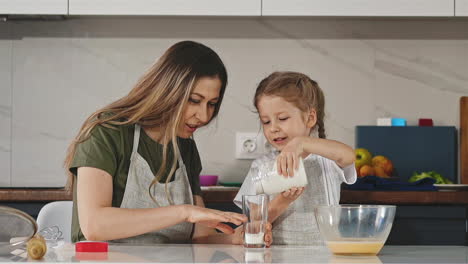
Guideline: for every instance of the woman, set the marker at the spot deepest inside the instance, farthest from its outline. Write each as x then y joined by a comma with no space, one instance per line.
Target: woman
135,165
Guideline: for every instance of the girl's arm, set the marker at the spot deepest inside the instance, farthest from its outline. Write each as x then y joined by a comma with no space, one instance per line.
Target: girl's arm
341,153
100,221
334,150
281,202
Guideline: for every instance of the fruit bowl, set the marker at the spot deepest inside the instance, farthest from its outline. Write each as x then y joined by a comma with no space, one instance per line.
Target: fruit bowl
355,229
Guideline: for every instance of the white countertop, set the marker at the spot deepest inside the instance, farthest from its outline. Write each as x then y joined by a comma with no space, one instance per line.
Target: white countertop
238,254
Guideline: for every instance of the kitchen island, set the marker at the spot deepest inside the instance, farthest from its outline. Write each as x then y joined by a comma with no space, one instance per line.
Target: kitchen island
119,253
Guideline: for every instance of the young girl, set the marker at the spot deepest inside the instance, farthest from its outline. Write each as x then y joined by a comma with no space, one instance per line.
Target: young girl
291,109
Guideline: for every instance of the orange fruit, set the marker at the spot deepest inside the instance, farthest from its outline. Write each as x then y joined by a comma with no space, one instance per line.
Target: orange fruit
366,170
383,162
379,171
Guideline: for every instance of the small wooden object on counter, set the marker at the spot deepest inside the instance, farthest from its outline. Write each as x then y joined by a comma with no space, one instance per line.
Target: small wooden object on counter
36,247
464,140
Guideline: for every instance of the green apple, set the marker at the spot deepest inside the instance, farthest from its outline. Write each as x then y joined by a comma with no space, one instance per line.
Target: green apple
363,157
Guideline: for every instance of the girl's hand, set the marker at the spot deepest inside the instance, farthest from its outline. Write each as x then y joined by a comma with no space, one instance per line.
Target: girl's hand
268,238
288,159
213,218
292,194
238,237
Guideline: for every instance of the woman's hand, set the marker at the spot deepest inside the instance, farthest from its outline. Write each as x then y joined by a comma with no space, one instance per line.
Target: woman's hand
213,218
288,159
238,236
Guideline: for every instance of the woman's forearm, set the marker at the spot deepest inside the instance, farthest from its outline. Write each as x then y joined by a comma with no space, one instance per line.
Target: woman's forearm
100,221
109,223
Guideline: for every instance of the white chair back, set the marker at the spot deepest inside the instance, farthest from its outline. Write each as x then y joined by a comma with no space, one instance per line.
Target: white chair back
57,214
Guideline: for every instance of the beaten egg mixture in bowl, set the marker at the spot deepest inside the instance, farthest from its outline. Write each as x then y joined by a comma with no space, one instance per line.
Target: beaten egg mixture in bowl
355,229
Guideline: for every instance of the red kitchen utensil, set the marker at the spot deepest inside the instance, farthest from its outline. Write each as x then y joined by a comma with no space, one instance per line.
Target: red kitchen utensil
91,246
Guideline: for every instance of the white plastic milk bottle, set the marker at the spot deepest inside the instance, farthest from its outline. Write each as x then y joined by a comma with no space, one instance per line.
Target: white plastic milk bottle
272,183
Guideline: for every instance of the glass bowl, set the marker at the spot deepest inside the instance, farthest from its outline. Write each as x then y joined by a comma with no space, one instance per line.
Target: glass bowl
16,228
355,229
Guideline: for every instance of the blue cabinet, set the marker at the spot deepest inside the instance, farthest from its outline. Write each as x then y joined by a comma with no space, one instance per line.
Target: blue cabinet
413,148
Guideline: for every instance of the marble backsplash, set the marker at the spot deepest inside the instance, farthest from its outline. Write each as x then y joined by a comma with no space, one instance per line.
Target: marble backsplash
55,73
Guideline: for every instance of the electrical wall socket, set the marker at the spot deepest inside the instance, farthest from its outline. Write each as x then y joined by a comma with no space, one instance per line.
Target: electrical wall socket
249,145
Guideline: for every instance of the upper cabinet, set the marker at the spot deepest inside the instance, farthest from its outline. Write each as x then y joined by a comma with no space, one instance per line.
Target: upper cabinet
34,7
461,7
358,7
166,7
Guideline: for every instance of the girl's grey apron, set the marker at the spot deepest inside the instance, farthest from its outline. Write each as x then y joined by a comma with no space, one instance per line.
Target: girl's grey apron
297,225
136,195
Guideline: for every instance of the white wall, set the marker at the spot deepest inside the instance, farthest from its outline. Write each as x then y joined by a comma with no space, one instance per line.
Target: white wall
58,72
5,106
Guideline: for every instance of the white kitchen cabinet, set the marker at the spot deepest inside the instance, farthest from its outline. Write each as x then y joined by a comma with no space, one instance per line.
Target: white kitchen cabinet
416,8
34,7
166,7
461,7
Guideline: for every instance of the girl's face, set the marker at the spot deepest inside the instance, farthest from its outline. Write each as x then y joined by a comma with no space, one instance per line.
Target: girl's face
282,121
201,106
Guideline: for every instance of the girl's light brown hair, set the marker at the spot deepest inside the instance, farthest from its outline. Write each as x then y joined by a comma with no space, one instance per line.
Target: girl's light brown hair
298,89
158,100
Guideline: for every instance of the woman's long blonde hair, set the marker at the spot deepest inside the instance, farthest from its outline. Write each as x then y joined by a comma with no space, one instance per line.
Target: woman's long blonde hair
158,100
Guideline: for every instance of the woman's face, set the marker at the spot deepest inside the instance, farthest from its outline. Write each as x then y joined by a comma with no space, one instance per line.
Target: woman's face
201,106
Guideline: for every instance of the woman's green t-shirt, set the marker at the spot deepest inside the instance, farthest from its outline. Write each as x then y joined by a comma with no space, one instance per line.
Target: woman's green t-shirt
110,149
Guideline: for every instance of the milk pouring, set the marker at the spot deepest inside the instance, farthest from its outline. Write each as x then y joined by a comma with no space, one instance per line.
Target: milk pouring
268,180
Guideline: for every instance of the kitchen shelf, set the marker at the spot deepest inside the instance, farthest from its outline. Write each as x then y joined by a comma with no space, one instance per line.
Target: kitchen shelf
405,197
227,196
35,195
370,197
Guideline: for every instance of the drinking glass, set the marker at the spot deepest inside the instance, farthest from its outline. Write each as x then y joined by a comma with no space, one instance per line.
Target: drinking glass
255,207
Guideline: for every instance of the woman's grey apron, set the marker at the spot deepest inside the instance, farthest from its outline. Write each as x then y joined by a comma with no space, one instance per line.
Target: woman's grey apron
136,195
